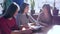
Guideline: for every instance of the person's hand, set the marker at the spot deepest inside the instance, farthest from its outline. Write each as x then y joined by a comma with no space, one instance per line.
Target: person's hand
24,27
43,24
15,32
25,31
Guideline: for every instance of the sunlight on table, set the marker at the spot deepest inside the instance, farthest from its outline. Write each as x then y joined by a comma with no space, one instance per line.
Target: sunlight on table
54,30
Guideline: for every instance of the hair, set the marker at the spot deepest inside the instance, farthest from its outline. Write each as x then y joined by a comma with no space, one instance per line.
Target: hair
10,11
3,11
22,7
48,7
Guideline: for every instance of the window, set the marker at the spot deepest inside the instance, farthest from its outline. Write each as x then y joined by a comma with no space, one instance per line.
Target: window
1,4
40,3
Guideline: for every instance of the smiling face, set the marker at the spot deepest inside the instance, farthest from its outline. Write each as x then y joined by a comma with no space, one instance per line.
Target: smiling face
26,9
45,10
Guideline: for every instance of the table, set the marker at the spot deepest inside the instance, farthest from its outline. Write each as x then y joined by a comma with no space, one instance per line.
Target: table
21,32
45,30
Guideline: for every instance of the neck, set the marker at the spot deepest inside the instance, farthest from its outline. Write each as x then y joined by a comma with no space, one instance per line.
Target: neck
46,14
10,18
24,13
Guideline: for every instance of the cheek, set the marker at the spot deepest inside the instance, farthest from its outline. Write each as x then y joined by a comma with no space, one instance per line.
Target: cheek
26,10
45,10
16,13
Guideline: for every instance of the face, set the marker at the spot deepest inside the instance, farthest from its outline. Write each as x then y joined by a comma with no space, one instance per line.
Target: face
26,9
16,12
45,10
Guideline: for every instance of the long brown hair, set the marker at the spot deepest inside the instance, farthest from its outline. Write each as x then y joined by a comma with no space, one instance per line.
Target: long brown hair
10,11
48,7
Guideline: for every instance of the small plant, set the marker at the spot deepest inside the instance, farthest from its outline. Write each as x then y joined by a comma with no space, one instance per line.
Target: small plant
32,4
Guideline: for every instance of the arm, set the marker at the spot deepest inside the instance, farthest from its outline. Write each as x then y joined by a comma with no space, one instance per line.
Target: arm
43,24
31,19
15,27
18,21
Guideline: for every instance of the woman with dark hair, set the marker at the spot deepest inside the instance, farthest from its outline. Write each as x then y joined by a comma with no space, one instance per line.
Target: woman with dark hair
8,22
23,18
46,17
23,7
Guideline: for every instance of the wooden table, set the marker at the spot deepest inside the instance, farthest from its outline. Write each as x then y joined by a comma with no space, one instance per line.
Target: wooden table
45,30
22,32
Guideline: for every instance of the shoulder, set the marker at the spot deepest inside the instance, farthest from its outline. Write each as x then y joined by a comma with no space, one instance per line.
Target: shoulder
2,19
18,15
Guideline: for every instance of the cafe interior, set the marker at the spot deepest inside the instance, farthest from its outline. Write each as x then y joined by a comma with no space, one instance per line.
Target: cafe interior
29,16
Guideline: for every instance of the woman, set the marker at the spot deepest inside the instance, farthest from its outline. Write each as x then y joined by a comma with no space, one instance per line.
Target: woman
22,17
45,16
8,22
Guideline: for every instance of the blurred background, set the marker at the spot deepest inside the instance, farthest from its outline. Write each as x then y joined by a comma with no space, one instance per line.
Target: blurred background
37,5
